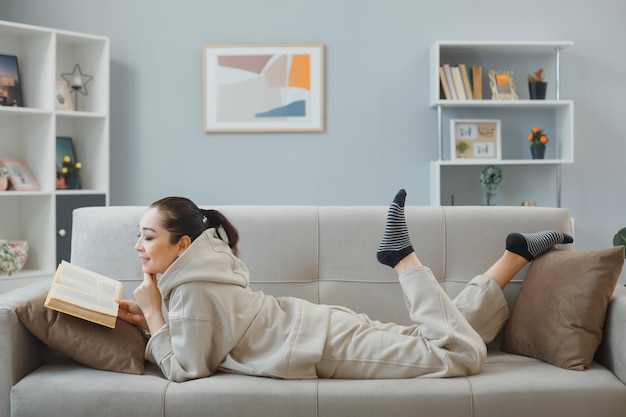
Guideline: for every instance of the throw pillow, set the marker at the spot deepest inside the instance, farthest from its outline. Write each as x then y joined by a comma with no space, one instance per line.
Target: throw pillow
120,349
560,312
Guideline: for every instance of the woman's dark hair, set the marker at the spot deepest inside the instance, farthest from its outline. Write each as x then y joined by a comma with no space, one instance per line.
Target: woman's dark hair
182,217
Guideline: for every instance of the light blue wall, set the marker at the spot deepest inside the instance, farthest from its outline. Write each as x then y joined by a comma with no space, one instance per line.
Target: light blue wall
380,132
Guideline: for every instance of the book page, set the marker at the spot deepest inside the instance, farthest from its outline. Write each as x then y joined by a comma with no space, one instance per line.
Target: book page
87,281
83,299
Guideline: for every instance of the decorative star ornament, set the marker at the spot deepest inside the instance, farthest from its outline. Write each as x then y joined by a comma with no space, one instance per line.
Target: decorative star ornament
77,80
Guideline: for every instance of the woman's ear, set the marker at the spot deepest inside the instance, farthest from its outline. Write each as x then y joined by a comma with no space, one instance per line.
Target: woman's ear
183,244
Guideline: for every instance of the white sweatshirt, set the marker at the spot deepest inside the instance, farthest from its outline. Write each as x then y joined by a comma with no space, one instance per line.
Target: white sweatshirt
217,322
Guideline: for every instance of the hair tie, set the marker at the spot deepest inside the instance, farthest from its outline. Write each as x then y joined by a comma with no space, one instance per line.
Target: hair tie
205,215
209,219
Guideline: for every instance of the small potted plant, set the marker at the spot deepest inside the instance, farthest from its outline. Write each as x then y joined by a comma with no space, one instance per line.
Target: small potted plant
68,174
538,141
462,147
537,87
620,238
491,179
4,178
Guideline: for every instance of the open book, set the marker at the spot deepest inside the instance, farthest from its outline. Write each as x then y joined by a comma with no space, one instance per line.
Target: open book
84,294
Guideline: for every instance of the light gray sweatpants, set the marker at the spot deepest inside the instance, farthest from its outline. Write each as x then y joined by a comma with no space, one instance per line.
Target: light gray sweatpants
448,337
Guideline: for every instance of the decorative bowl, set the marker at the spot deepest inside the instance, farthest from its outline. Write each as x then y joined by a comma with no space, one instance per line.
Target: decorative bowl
13,254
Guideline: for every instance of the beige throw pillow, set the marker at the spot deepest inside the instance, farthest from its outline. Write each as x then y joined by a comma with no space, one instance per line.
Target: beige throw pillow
120,349
560,312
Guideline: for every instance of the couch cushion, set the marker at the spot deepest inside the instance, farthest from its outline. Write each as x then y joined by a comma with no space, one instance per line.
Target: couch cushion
65,388
120,349
519,386
418,397
560,311
242,396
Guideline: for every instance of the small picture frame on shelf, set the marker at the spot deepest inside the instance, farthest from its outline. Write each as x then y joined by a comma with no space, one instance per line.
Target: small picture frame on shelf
19,174
10,84
65,147
502,85
66,180
475,139
62,98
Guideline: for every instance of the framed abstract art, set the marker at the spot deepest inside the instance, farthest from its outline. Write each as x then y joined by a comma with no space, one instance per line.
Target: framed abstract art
263,87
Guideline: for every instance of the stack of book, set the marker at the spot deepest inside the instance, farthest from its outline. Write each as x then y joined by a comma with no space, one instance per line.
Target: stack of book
460,82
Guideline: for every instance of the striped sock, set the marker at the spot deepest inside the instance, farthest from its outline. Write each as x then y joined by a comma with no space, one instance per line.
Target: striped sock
531,245
395,244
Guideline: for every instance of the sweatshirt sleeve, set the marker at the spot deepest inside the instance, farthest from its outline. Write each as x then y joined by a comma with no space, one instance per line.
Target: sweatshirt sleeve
181,359
196,339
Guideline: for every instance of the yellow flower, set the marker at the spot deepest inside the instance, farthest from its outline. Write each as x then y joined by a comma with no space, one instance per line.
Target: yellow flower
68,168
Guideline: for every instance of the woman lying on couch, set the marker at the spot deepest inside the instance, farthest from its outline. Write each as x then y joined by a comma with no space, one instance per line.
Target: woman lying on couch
216,322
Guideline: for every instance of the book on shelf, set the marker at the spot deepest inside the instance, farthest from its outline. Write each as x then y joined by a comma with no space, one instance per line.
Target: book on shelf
84,294
461,82
477,82
444,84
466,81
448,71
458,82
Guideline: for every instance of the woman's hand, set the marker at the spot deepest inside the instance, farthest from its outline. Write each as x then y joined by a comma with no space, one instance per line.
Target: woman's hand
148,299
129,311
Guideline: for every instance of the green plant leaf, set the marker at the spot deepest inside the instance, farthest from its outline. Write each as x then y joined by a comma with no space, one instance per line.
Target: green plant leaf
620,237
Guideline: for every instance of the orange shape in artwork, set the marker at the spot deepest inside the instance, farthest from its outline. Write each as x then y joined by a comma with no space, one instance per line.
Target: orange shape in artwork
300,74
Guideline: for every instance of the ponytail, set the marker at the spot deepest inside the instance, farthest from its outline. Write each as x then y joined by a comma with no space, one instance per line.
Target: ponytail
182,217
217,220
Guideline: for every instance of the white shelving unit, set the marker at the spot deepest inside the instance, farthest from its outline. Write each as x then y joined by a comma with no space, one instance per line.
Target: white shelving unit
29,133
457,181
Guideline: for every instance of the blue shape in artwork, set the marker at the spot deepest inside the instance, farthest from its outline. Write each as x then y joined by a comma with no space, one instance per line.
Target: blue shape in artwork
295,109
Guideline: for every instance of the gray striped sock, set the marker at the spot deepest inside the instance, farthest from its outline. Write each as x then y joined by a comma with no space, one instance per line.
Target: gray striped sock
395,243
531,245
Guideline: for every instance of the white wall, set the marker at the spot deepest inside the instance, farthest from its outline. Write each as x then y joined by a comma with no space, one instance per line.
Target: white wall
380,132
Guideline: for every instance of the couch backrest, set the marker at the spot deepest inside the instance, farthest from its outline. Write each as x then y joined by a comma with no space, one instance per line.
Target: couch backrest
327,254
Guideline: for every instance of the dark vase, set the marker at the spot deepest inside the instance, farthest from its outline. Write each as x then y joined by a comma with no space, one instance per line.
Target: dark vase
538,152
538,90
72,183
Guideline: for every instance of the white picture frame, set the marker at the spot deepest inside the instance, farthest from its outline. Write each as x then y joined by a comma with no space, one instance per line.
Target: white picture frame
502,85
482,139
263,87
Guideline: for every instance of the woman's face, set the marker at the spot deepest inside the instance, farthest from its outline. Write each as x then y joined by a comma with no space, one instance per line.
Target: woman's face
155,250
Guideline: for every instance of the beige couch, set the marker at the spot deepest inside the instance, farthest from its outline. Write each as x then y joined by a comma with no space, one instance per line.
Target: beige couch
326,255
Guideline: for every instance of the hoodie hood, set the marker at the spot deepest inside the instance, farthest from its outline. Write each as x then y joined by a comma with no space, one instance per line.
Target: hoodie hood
208,259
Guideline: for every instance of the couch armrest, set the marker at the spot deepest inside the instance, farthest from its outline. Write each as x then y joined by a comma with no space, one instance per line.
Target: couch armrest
611,352
20,351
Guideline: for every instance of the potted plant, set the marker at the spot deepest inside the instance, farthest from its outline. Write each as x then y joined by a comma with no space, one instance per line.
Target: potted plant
491,179
537,87
620,238
538,141
68,174
462,147
4,178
